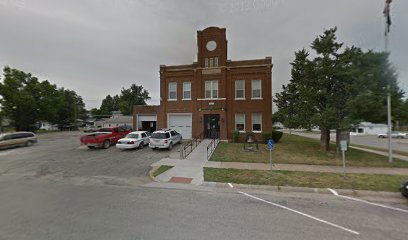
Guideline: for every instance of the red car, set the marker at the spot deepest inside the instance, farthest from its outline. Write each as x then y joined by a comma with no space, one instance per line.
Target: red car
104,137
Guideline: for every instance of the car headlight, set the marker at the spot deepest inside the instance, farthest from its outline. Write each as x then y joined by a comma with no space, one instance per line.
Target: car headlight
406,187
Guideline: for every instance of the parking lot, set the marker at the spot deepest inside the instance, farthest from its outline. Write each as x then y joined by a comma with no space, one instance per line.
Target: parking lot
60,154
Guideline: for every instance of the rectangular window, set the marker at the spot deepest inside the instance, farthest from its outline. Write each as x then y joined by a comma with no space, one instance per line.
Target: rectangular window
256,89
206,62
256,122
240,121
173,91
187,90
216,62
211,89
239,89
211,62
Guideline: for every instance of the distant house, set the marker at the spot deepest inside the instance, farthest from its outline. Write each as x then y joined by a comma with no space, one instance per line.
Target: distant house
368,128
117,119
47,126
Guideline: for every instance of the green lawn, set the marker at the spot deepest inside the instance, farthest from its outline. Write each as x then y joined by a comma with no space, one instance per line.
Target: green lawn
375,182
293,149
161,170
382,150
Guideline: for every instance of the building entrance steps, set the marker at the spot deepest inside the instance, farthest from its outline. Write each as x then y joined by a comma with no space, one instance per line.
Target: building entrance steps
188,170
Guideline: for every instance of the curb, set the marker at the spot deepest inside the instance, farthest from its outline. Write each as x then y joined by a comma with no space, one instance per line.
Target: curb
150,173
380,195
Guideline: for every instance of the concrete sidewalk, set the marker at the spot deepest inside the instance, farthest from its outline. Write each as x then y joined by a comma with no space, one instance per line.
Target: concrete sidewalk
189,170
308,168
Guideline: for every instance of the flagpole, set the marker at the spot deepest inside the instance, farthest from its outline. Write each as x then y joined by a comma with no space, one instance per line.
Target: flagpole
386,36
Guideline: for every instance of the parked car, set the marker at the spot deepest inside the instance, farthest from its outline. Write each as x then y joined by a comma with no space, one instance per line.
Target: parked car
137,139
91,129
165,138
104,138
393,135
16,139
404,189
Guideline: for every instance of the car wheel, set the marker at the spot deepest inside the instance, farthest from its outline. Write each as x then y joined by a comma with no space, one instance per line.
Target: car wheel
91,147
29,143
106,144
171,146
181,140
404,190
141,145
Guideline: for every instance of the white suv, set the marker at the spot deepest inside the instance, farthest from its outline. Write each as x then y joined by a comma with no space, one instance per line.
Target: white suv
165,138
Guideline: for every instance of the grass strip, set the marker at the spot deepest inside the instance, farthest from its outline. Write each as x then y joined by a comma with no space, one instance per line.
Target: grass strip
381,149
373,182
161,170
293,149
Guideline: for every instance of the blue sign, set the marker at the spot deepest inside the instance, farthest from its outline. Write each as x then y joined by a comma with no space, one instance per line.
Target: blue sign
270,144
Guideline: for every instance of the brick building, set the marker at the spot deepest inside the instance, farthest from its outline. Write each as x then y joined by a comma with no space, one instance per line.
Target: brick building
213,96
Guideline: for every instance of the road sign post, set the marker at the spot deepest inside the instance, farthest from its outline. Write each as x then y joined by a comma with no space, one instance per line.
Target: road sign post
270,147
343,146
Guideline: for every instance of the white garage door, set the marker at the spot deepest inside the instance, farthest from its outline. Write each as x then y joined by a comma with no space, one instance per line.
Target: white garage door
181,123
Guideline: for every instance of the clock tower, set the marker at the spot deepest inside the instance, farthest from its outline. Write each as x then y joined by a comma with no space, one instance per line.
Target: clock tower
212,47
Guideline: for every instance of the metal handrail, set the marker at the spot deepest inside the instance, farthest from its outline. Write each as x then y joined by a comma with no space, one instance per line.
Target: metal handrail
192,145
212,146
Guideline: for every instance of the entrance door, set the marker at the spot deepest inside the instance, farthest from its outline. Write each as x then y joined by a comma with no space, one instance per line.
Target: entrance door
212,125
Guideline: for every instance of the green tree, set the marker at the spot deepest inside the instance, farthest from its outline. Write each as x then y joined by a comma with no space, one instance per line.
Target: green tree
26,101
17,103
337,88
135,95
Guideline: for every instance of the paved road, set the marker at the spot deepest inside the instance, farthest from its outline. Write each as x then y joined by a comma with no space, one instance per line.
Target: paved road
39,209
370,141
58,190
61,154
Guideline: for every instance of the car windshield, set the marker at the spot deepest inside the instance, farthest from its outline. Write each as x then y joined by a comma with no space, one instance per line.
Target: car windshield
132,135
105,130
159,135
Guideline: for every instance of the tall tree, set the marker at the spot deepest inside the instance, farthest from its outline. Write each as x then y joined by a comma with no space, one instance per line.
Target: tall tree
135,95
337,88
26,100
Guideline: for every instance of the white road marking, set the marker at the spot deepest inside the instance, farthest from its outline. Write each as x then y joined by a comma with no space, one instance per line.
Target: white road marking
333,191
367,202
229,184
303,214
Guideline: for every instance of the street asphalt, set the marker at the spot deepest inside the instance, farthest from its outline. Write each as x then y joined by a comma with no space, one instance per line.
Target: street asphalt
54,191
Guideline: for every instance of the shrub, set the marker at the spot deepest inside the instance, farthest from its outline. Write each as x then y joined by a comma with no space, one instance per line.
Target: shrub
276,136
266,136
235,136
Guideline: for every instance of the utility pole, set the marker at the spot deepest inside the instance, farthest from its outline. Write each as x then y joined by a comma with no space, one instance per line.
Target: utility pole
387,16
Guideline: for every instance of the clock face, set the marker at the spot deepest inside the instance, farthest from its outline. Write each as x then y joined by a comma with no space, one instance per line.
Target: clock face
211,45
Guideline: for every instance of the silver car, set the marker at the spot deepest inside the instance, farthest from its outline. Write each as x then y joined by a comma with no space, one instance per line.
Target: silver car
17,139
165,139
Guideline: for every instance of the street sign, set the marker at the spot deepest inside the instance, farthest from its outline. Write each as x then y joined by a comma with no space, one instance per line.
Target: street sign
343,145
270,147
270,144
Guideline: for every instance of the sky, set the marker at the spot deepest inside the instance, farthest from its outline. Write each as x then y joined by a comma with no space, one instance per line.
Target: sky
98,47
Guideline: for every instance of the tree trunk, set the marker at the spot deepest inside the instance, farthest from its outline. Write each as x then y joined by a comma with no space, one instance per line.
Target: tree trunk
342,134
325,139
